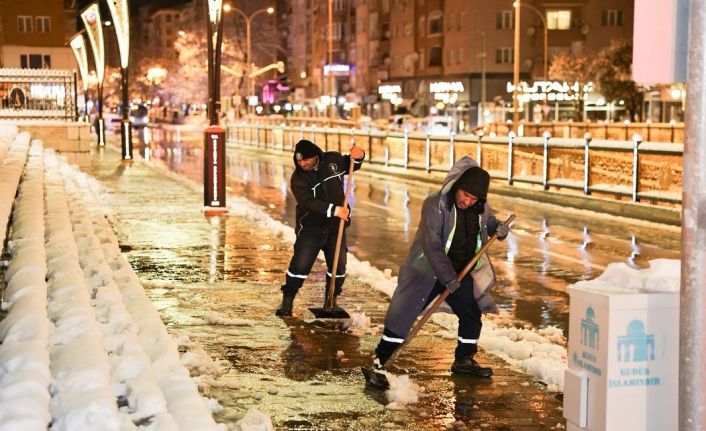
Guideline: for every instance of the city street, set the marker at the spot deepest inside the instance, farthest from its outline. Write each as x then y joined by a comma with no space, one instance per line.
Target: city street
217,283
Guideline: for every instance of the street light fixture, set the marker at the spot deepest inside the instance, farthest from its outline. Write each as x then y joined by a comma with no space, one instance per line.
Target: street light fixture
121,19
517,5
78,47
91,18
516,68
248,48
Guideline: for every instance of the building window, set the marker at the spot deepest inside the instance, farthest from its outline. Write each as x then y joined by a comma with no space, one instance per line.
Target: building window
558,19
420,30
421,59
504,55
43,24
436,24
339,5
337,31
462,18
24,24
35,61
459,59
408,29
451,23
612,18
435,56
505,19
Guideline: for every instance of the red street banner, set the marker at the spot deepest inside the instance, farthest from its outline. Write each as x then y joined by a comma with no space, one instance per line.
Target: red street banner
214,170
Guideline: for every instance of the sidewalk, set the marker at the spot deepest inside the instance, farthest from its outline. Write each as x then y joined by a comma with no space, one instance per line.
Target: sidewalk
213,277
216,284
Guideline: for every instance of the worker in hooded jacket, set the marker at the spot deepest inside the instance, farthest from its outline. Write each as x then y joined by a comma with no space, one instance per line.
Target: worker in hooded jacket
454,225
317,185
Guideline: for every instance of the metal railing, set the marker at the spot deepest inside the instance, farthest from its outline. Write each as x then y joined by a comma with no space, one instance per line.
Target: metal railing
38,94
624,170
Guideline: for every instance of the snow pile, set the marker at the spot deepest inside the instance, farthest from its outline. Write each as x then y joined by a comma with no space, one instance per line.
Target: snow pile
402,392
12,160
25,330
134,315
359,323
538,352
254,420
663,275
82,396
215,318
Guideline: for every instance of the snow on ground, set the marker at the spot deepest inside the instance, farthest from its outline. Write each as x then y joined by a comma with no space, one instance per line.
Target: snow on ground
81,345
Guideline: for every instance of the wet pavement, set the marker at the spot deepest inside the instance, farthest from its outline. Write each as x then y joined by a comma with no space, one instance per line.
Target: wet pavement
217,281
551,248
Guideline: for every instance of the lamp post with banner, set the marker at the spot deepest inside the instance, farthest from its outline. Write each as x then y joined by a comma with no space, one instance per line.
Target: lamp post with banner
78,47
91,18
214,187
121,19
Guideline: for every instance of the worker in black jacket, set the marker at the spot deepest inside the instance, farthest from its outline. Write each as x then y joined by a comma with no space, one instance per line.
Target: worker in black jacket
317,185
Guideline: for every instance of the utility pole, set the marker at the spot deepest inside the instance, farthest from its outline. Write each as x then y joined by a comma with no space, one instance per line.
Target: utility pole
331,90
516,69
692,373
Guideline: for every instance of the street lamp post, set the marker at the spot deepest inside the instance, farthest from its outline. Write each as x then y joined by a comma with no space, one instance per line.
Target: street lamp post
517,6
94,29
214,189
483,55
331,79
248,45
516,68
121,19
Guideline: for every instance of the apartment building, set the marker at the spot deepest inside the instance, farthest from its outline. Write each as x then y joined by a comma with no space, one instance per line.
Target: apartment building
424,54
33,33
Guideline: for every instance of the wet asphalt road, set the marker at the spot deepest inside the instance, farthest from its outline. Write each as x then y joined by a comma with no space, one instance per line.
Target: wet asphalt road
292,368
551,247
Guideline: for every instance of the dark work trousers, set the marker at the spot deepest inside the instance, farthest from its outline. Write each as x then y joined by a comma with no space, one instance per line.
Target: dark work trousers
463,305
306,249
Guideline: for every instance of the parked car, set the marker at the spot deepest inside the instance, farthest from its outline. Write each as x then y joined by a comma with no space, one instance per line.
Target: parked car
438,125
111,121
139,116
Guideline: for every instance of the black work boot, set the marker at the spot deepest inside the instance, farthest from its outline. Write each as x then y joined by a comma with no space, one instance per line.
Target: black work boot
469,366
287,303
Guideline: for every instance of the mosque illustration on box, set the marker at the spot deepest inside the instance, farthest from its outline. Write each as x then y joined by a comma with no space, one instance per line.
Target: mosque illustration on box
589,330
636,345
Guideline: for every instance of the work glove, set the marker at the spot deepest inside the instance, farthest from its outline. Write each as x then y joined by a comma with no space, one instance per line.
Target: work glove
342,213
357,153
502,231
452,285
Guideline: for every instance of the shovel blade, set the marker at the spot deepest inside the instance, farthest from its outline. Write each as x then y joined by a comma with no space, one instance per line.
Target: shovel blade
330,313
375,379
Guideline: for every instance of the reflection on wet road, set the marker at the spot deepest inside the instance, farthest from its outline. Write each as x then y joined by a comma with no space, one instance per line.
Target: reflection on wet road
551,247
217,281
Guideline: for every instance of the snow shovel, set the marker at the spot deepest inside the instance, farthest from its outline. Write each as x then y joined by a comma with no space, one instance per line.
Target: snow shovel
328,311
378,379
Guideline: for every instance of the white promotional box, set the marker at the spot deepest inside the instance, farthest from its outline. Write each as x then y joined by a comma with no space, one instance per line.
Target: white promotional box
623,359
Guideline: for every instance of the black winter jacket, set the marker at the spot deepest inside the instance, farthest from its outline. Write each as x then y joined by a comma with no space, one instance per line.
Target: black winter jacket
318,192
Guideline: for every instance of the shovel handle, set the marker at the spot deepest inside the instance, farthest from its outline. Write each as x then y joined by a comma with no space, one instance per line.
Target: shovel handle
332,284
441,298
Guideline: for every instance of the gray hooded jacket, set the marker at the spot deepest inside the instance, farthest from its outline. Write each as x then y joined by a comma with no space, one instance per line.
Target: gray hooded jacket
427,261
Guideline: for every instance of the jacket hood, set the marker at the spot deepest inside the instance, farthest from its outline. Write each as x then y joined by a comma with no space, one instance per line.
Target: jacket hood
455,173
